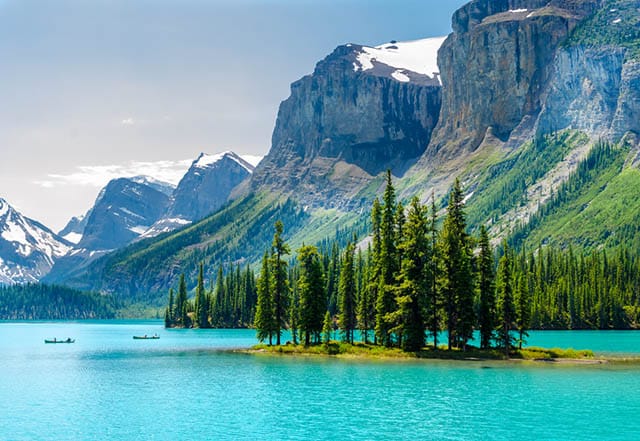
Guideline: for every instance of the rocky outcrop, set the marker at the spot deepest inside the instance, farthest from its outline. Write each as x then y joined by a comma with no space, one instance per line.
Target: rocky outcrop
496,65
360,112
586,93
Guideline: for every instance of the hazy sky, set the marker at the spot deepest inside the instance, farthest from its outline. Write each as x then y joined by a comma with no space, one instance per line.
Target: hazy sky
90,90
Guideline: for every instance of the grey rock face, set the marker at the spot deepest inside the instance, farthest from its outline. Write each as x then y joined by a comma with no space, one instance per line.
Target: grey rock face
123,211
341,126
206,185
496,65
586,92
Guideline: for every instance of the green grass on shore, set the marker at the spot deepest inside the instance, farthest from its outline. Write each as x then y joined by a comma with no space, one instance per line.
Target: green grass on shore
361,350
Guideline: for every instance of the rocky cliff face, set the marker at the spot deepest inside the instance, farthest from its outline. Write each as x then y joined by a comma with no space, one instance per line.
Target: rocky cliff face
125,208
496,66
363,110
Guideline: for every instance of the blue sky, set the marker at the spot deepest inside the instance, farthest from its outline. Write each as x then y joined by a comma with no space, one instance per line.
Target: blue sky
104,84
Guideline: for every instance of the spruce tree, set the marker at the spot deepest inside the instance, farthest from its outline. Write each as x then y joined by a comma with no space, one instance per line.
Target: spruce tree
414,278
523,308
280,278
366,299
313,301
327,327
458,275
387,262
506,307
347,295
169,320
433,317
182,303
264,321
202,308
486,288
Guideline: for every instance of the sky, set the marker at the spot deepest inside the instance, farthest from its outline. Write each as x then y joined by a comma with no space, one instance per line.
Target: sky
94,90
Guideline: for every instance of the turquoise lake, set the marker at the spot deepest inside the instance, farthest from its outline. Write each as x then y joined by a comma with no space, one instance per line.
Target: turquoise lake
107,386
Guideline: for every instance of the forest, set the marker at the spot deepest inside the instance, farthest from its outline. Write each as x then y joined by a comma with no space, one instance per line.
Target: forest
37,301
416,276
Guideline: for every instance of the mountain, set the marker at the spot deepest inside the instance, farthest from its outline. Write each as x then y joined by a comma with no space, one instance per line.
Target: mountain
362,110
535,108
73,231
124,209
28,249
204,188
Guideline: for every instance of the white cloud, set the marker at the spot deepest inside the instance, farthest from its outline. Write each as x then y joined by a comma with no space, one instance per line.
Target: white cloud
128,122
100,175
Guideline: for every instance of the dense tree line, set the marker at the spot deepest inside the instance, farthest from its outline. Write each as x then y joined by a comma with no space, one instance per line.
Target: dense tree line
413,280
36,301
229,303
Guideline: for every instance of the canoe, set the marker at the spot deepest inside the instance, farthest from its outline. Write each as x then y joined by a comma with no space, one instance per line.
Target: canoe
55,340
146,337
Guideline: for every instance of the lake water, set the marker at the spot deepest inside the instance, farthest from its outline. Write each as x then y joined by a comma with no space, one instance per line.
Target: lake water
108,386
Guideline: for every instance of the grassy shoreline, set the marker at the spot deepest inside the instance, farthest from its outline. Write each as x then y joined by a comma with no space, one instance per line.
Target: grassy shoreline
361,351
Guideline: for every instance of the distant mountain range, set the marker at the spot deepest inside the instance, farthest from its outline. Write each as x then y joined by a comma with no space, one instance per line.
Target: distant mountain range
125,210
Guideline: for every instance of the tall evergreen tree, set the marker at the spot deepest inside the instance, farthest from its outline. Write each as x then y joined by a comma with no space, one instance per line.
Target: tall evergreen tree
202,308
458,276
313,302
387,262
327,327
506,305
170,314
366,300
486,288
433,316
523,308
347,295
265,321
414,277
181,303
280,279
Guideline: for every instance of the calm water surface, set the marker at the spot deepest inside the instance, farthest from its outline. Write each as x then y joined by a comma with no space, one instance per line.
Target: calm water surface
109,386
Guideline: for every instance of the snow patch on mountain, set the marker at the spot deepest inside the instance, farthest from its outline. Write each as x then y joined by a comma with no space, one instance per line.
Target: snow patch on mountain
27,248
205,160
419,56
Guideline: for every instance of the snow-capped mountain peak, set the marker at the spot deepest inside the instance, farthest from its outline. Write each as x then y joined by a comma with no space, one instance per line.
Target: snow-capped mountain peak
28,249
205,160
417,56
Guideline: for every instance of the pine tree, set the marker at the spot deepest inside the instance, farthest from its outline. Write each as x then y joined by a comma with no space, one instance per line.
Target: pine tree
182,303
505,303
433,321
523,308
280,276
313,301
202,308
458,276
347,295
486,288
414,278
366,299
387,262
169,319
264,321
327,328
